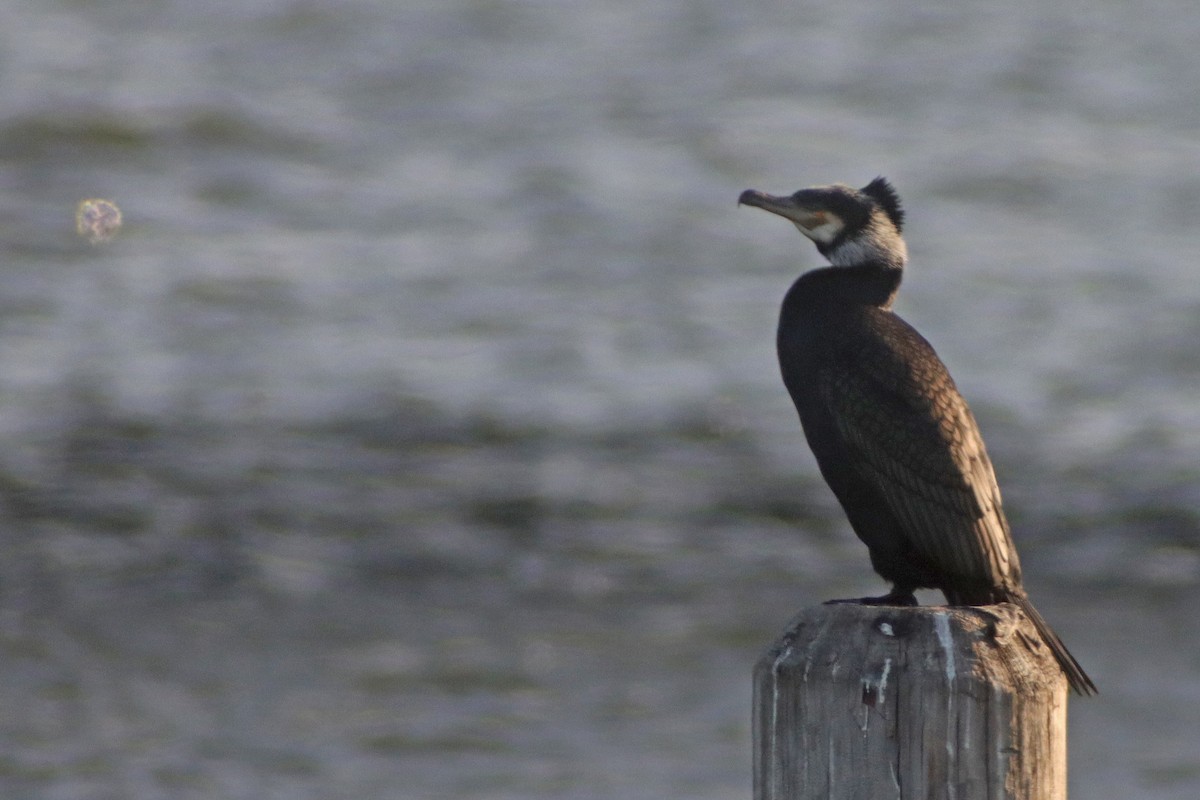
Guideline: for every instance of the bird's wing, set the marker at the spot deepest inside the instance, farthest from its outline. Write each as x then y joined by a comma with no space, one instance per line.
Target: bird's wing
912,435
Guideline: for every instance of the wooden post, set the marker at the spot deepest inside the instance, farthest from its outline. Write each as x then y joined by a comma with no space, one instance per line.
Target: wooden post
866,702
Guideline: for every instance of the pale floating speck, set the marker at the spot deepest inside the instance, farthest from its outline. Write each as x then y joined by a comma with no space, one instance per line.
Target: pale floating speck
98,220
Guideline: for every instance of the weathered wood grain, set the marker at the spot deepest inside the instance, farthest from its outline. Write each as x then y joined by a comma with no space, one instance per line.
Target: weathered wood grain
867,702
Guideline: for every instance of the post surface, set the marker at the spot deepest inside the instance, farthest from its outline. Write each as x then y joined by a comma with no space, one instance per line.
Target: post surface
864,702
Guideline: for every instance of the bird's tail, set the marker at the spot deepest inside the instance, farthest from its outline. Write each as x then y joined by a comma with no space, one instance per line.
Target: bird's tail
1076,677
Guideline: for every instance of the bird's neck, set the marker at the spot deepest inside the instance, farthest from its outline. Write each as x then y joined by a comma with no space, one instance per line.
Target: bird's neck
874,283
877,243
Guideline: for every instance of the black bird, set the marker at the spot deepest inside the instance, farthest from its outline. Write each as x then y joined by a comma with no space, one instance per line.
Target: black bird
892,436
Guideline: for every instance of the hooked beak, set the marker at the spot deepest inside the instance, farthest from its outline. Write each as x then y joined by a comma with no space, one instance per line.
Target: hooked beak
785,207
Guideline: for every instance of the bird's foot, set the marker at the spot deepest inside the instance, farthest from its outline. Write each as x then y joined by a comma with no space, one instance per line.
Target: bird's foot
895,597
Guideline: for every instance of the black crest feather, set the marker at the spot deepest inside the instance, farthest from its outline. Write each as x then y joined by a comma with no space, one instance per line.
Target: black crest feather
882,192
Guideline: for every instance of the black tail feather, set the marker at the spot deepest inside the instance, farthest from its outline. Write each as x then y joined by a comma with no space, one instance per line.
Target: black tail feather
1076,677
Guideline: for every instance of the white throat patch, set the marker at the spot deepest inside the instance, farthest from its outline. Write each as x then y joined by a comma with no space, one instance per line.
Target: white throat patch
878,242
826,227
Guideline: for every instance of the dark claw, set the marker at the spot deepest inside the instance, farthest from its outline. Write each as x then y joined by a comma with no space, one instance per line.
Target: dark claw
893,598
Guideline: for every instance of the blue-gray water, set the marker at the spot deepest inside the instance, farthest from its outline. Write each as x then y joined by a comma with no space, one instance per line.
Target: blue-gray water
420,435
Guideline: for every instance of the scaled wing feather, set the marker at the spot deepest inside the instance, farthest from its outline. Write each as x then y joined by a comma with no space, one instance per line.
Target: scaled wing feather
914,437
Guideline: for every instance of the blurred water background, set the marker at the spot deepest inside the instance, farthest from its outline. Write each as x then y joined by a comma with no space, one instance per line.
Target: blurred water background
421,436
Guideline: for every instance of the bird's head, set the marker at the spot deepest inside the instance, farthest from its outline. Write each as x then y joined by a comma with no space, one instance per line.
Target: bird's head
850,227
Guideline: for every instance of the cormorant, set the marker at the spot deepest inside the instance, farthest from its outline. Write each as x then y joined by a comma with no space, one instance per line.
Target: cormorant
892,436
